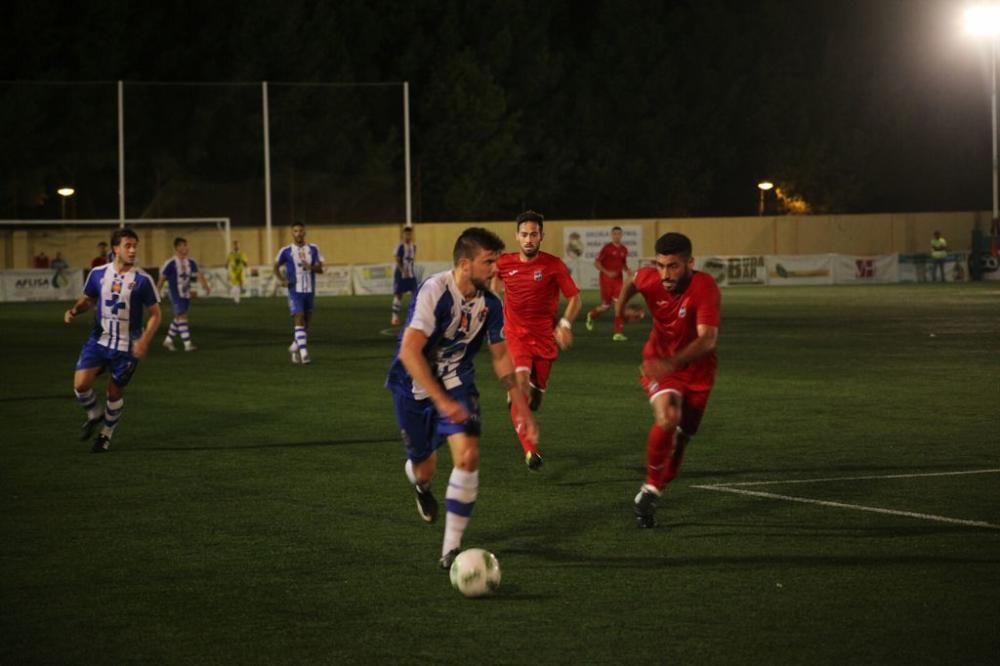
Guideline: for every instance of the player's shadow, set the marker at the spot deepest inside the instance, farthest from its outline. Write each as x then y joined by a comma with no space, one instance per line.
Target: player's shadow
273,445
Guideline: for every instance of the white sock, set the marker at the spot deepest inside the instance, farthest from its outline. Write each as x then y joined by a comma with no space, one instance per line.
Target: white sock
112,412
88,400
460,499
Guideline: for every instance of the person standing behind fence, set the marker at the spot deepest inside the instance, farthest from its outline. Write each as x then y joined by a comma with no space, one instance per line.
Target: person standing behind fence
939,252
177,273
236,264
404,279
301,262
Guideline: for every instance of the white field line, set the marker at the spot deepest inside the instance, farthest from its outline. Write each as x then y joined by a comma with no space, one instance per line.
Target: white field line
730,488
849,478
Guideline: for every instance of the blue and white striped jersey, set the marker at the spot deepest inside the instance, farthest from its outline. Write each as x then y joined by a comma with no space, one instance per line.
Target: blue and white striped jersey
296,260
455,328
178,272
120,298
406,253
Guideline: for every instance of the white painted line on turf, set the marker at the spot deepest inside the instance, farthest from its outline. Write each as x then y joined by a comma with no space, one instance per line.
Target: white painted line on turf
856,507
849,478
389,332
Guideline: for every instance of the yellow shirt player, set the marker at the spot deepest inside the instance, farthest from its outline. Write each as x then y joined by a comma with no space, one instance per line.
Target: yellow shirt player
236,262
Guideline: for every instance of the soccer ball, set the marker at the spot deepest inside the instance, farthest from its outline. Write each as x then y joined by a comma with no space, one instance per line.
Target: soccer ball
475,573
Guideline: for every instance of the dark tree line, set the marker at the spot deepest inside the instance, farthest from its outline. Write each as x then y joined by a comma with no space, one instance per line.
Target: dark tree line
581,108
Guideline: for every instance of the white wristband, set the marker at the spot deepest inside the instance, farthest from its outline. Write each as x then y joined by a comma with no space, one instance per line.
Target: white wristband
565,323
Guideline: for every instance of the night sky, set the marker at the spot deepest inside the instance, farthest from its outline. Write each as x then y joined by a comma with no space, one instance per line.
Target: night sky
582,109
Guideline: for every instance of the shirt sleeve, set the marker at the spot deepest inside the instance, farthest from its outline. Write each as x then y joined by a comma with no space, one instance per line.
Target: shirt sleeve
316,256
194,266
565,280
168,268
93,287
709,304
281,256
494,320
147,293
423,311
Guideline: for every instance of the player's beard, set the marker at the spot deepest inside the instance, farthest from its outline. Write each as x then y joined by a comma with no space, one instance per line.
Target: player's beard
530,253
680,285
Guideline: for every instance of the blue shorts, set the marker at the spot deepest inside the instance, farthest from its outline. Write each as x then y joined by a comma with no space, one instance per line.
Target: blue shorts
424,430
122,364
300,303
402,285
181,305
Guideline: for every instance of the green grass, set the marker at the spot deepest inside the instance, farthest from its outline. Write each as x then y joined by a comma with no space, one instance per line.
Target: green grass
255,512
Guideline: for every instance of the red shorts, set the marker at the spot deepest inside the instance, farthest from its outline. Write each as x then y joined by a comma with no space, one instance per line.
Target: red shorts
611,288
693,402
535,356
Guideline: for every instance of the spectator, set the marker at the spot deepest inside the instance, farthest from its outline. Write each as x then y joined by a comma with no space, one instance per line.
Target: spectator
40,260
102,255
939,252
59,263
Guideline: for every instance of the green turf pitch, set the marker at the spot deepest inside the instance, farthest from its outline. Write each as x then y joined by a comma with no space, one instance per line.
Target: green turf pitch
255,512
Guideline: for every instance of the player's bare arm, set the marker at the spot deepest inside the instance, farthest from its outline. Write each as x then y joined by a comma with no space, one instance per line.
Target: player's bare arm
204,283
503,366
705,343
564,329
317,267
82,305
279,275
411,355
141,345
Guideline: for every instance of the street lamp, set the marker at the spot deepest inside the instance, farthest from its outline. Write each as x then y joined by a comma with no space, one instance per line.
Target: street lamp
763,186
65,193
985,20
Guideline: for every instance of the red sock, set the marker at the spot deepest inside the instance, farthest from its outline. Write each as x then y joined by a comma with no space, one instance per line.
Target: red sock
659,447
676,459
619,324
526,444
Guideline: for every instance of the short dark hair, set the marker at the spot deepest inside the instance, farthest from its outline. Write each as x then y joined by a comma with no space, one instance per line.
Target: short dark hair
474,239
125,232
673,243
531,216
179,240
100,243
616,228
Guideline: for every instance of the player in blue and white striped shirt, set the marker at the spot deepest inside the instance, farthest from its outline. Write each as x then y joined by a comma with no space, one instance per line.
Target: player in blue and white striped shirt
177,272
301,261
404,278
432,379
117,291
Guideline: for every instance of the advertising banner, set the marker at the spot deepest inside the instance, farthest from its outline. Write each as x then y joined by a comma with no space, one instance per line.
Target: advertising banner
865,270
734,270
581,245
42,284
917,267
799,269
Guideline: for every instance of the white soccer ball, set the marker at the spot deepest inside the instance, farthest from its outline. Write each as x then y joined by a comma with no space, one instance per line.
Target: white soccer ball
475,573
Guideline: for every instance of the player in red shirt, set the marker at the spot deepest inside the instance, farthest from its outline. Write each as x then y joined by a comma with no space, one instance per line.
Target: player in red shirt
612,262
678,360
532,282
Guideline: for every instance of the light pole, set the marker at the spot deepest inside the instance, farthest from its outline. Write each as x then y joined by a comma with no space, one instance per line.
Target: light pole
985,20
763,186
65,193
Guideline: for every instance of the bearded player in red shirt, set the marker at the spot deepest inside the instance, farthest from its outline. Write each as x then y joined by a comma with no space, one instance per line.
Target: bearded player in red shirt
532,282
612,263
678,360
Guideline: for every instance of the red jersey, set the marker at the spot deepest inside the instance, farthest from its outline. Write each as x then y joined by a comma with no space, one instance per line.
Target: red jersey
613,258
532,291
676,319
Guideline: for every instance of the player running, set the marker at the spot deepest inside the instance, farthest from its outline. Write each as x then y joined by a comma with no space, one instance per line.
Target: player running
678,360
118,290
404,278
301,262
532,282
612,262
177,272
432,380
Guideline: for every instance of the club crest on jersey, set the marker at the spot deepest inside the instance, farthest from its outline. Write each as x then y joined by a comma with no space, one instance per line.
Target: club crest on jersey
682,312
538,275
116,287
